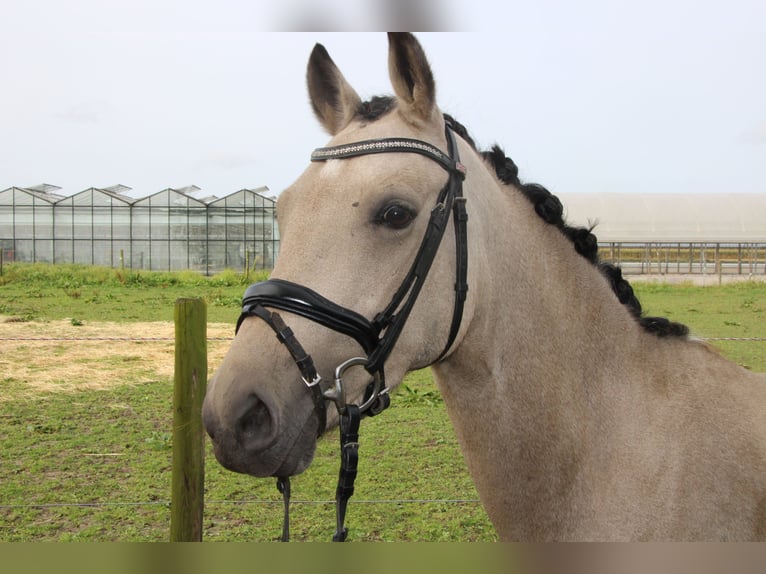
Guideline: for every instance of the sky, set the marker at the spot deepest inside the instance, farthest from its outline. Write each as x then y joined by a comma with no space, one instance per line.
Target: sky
587,96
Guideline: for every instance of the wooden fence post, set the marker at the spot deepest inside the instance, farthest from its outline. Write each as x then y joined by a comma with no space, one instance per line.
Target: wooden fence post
188,481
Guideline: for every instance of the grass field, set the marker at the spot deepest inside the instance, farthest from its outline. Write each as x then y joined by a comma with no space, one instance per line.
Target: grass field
85,425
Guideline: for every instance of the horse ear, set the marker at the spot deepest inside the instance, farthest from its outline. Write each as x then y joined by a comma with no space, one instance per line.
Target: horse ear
334,101
411,76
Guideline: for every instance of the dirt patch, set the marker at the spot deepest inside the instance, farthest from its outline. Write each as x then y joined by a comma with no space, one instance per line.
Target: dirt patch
59,356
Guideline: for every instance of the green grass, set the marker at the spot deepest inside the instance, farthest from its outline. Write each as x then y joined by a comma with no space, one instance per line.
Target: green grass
96,465
736,310
112,449
48,292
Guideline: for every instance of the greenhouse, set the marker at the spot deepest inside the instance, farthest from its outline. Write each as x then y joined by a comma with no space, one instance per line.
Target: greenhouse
170,230
178,229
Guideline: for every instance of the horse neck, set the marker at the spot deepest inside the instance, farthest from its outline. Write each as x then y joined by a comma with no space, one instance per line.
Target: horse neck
543,313
527,385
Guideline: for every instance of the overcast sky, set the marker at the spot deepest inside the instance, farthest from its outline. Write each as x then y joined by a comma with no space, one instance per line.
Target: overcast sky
586,96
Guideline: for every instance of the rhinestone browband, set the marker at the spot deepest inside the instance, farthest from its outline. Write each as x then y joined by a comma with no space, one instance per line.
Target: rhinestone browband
387,145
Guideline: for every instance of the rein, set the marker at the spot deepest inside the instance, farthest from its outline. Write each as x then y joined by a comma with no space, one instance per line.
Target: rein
379,336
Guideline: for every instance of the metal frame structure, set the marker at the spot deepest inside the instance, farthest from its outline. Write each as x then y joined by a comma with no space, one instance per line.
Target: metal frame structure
169,230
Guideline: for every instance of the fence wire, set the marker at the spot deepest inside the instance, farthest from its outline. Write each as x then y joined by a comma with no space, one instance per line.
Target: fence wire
169,339
142,339
239,502
279,502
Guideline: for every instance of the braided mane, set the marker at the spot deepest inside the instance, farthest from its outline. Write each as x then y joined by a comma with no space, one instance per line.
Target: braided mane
550,209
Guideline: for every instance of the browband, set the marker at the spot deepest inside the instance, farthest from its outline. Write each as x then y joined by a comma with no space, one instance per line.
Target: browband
387,145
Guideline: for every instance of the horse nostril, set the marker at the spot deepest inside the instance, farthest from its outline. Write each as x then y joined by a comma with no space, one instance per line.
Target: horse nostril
256,428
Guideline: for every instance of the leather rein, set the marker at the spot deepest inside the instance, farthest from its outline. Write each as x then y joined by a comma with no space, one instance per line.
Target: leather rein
378,336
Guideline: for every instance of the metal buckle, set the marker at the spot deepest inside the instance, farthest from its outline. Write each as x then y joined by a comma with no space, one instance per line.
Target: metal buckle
314,383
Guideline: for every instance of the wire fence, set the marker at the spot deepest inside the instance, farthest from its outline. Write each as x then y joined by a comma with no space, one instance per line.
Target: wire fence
238,502
213,502
208,502
169,339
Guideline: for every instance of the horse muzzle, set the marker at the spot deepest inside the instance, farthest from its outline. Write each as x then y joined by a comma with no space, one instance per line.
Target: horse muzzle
252,437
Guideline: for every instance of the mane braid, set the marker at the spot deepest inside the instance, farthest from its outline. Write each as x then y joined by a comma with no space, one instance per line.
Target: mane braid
550,209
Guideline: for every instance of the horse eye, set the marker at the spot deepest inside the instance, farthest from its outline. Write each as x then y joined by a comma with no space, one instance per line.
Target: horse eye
396,216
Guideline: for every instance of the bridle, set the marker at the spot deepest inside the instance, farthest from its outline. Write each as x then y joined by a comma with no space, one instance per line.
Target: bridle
378,336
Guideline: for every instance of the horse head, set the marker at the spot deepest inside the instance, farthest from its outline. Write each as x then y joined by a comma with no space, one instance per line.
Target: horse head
352,280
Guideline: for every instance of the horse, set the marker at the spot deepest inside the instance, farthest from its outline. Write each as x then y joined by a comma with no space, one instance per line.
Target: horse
579,418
